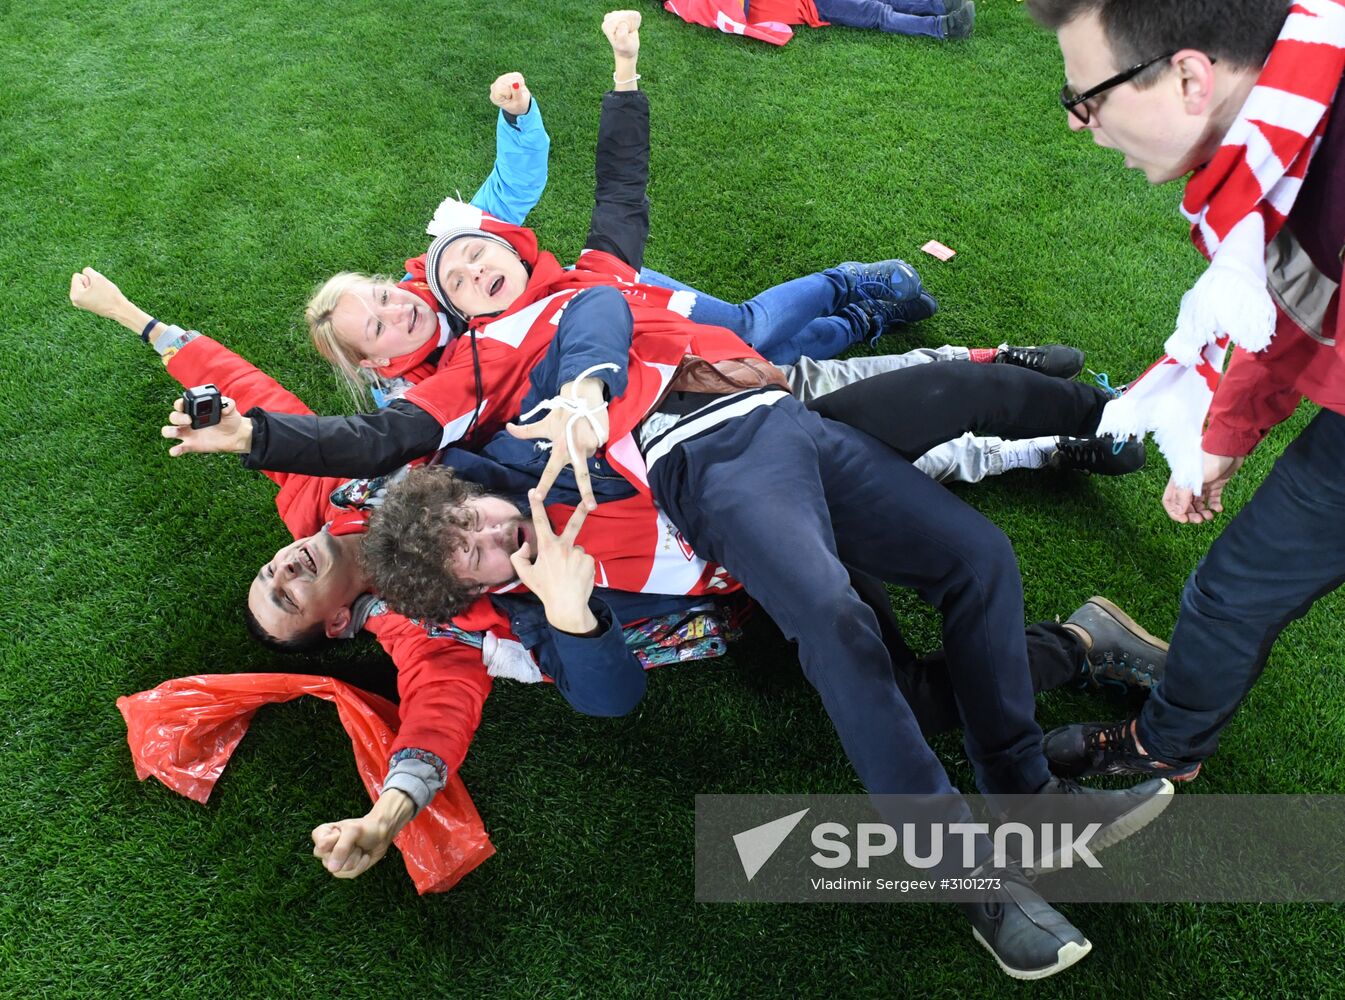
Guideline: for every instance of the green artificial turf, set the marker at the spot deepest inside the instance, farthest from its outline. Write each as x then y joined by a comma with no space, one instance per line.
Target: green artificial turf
217,160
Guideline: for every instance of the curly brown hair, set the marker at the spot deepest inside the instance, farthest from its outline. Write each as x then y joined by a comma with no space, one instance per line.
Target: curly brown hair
410,536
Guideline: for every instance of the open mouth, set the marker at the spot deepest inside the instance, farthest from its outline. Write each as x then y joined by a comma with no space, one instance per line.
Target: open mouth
308,559
523,535
496,285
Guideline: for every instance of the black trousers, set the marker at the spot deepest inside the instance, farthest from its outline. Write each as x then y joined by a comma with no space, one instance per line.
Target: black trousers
912,410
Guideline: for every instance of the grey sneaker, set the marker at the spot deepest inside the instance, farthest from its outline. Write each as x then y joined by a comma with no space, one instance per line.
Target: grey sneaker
1029,938
1088,748
959,23
1122,655
1120,812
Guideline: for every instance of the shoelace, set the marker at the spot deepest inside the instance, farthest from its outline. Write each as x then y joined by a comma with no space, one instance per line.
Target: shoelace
1028,357
1112,737
1141,672
577,409
1103,381
1082,449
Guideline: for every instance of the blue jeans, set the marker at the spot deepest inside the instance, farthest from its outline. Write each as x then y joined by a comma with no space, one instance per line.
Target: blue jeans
790,321
1282,551
900,17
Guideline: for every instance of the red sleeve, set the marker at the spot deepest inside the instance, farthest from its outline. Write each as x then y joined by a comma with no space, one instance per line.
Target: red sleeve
443,685
302,501
1257,391
449,395
205,360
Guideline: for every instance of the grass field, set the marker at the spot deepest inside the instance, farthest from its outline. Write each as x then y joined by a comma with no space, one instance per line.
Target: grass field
217,161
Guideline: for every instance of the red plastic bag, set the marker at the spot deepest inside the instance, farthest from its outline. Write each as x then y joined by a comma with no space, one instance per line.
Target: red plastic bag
184,731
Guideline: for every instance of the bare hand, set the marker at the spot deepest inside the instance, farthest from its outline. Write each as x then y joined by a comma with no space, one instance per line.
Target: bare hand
622,28
560,573
350,847
232,433
91,291
1185,507
565,426
510,93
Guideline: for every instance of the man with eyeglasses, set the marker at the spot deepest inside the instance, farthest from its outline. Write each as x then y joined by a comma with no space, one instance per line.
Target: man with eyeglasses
1238,94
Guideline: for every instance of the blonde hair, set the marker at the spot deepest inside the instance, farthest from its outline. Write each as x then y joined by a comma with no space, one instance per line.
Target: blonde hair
343,358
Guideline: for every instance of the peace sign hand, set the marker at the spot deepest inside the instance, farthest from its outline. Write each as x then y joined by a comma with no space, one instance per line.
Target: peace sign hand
560,573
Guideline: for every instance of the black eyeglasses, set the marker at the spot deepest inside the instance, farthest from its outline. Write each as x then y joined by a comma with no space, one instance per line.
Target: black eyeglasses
1077,104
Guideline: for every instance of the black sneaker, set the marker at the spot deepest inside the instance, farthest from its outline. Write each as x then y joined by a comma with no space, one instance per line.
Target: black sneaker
959,23
1055,360
1029,938
1122,654
874,317
1102,456
1121,812
1087,748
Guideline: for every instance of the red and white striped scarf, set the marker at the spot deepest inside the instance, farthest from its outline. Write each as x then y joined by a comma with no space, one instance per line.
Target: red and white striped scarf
1237,202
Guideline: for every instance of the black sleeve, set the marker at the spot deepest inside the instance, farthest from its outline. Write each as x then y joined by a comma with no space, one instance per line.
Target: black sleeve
620,223
358,447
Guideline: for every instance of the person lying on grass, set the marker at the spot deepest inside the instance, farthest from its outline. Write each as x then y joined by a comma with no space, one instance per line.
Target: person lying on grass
694,440
690,415
770,20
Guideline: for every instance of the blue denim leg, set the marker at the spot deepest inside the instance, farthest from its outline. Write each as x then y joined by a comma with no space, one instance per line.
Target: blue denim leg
900,17
1281,552
784,323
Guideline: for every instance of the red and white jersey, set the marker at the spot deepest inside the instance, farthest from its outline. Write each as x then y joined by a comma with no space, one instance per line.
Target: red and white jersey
510,344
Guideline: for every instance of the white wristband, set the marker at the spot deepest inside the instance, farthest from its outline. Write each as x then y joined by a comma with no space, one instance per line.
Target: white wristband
620,82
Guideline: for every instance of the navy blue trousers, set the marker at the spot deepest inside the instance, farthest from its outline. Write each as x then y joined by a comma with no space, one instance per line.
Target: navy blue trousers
785,500
1281,552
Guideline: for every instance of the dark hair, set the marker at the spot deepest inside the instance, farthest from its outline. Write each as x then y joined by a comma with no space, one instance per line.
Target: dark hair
1238,32
308,641
409,539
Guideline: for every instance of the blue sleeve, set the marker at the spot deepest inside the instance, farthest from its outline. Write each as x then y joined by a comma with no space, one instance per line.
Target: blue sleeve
595,329
597,675
516,183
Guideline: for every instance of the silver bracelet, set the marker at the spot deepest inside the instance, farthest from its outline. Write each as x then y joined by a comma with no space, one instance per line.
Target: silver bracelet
620,82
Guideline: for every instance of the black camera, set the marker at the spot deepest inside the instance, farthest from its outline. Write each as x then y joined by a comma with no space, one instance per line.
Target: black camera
203,404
